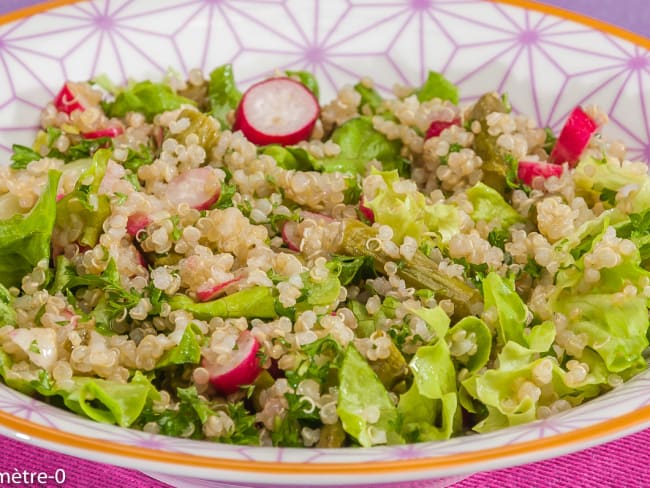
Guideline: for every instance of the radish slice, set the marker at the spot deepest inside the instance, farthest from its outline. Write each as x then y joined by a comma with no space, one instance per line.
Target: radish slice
527,171
437,126
574,138
76,96
199,188
137,222
110,131
277,111
290,235
366,211
242,366
205,295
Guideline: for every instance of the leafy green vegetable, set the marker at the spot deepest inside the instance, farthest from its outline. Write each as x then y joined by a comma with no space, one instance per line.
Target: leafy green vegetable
289,157
255,302
135,159
351,269
437,86
188,350
112,304
223,94
489,206
147,98
25,239
22,156
7,312
511,310
471,325
429,410
359,391
369,97
85,209
307,79
360,143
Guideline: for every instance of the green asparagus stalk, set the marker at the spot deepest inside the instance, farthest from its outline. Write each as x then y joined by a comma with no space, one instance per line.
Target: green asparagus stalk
420,272
495,164
256,302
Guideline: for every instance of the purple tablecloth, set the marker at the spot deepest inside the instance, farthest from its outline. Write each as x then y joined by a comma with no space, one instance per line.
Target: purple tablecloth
623,463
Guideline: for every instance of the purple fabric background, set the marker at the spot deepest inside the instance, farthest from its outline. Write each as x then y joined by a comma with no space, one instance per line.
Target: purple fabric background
622,463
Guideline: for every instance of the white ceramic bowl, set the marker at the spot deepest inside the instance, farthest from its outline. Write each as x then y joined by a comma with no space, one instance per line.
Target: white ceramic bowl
545,59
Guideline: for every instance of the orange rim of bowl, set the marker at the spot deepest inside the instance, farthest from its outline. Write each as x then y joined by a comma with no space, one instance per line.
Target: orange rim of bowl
585,436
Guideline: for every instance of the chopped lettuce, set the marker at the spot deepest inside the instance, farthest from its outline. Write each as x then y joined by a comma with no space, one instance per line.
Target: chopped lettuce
437,86
147,98
361,395
408,214
289,157
255,302
25,239
84,208
223,94
22,156
188,350
369,97
429,410
500,294
490,206
482,337
360,143
7,312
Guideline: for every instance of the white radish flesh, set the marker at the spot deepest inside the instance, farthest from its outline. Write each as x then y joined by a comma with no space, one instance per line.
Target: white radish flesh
277,111
199,188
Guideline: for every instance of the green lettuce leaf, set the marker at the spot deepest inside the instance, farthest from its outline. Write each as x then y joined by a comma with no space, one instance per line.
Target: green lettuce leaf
369,97
360,390
360,143
255,302
483,338
490,206
85,207
7,312
188,350
408,214
147,98
223,94
429,410
25,239
500,294
289,157
437,86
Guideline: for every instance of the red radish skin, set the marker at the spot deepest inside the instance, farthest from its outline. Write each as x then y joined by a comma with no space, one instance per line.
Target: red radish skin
527,171
277,111
366,211
75,96
437,126
136,223
199,188
110,131
214,291
574,138
242,368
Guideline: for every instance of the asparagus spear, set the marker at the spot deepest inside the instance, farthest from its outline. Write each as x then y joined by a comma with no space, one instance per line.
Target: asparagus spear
495,164
420,273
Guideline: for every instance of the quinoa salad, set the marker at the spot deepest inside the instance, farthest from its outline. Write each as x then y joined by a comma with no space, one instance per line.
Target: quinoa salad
267,268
